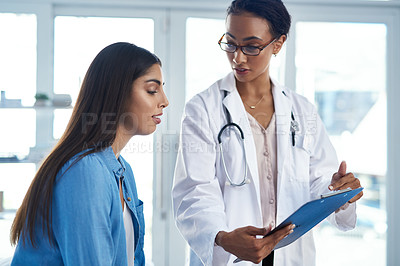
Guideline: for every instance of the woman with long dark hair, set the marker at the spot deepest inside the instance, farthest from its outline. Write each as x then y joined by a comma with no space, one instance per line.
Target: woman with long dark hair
82,207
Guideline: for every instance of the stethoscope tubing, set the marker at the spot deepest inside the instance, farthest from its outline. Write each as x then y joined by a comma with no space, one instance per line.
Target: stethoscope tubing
294,126
229,125
245,180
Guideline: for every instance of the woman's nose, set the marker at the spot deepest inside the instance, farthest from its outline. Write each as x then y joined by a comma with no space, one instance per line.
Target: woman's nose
164,103
239,57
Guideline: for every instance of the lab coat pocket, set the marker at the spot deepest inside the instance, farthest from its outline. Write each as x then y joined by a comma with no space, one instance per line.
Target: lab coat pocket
300,159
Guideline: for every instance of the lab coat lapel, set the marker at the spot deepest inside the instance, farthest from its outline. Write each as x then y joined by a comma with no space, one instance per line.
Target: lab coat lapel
236,109
283,107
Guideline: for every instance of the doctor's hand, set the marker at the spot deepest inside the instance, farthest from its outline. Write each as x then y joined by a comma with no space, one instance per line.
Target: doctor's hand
343,180
243,242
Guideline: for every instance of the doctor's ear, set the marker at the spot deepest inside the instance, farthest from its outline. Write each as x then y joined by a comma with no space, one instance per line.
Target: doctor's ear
278,44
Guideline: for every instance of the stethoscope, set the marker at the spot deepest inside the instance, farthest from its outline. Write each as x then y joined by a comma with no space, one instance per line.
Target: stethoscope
294,127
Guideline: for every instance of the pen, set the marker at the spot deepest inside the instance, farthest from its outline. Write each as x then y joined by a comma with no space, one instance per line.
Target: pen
294,126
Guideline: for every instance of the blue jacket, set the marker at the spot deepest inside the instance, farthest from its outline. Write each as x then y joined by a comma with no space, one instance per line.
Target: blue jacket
88,226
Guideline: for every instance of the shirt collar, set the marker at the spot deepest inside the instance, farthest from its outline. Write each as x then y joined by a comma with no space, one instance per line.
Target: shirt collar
113,164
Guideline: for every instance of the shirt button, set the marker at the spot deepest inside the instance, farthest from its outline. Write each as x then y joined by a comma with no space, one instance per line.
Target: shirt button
265,153
269,177
271,201
129,198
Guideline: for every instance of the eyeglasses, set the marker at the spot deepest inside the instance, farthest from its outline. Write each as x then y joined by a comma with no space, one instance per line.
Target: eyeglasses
246,49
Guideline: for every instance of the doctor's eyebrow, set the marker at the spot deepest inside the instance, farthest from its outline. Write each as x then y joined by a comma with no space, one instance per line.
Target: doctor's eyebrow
245,39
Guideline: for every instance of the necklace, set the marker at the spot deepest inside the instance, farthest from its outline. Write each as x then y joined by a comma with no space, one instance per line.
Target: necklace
254,106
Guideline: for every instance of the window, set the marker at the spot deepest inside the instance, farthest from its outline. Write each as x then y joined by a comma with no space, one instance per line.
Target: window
79,39
14,182
17,134
17,83
342,69
18,59
205,61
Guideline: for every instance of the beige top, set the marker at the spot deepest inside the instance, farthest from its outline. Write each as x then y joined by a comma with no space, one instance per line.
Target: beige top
265,141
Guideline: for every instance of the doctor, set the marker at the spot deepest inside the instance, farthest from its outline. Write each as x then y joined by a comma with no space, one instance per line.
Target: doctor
234,183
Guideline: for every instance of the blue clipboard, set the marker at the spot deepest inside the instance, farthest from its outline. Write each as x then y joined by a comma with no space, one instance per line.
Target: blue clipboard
313,212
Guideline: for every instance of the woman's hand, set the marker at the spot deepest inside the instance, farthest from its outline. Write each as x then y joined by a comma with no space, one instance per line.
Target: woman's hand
244,244
343,180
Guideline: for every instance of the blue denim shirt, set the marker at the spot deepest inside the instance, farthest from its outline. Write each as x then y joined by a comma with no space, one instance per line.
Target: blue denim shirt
88,226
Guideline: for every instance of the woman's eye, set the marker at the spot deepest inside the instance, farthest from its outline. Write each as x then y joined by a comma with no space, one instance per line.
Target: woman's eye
152,92
251,48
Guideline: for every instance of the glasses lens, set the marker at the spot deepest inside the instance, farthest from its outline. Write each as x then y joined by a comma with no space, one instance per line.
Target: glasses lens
227,47
250,50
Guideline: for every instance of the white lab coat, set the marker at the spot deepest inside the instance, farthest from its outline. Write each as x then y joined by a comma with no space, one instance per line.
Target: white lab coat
205,204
